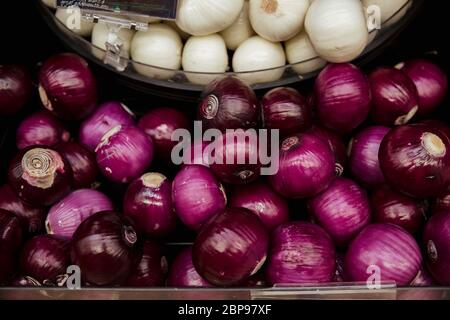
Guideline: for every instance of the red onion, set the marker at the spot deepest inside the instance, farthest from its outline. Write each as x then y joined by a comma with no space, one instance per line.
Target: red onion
10,232
124,154
431,83
82,162
197,195
25,282
40,175
363,156
422,279
385,248
66,215
7,267
106,248
152,269
41,128
436,239
108,115
148,202
415,159
343,210
395,98
15,88
306,167
259,198
32,217
301,253
229,103
67,86
389,206
182,272
231,247
45,258
287,110
197,154
343,97
160,124
442,203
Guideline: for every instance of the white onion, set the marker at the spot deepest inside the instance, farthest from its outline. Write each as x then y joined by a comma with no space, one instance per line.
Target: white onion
206,54
160,46
73,20
101,34
300,49
50,3
337,29
388,8
239,31
255,54
278,20
204,17
183,35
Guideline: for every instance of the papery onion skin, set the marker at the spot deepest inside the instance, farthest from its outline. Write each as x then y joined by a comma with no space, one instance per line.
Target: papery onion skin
107,116
15,88
259,198
11,231
67,86
307,167
229,103
441,203
387,248
423,279
197,195
148,202
343,97
183,274
197,155
394,96
415,159
389,206
431,83
32,217
124,154
287,110
40,175
44,258
436,240
343,210
106,247
152,269
230,247
66,215
363,156
83,164
301,253
41,128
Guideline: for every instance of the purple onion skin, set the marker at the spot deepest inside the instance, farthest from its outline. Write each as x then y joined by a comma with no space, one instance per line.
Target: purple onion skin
229,103
25,281
106,247
44,258
363,156
197,155
307,167
231,247
83,164
108,116
159,124
431,83
389,206
197,195
40,176
152,269
415,160
124,154
441,203
11,231
66,215
148,202
182,272
7,267
343,210
423,279
15,90
343,97
259,198
41,128
395,98
67,86
32,217
436,240
301,253
287,110
387,247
